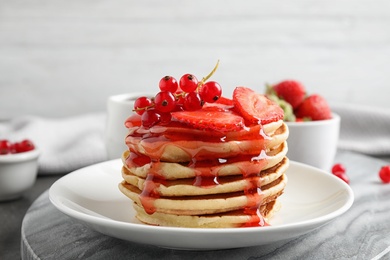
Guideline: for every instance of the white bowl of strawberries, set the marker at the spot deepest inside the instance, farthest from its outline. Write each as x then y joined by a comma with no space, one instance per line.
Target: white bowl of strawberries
313,127
18,168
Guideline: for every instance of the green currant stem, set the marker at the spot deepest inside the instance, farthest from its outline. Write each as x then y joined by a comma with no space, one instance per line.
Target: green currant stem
143,108
181,94
209,75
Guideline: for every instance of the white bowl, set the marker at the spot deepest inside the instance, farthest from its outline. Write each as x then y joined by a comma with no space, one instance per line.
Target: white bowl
18,173
314,142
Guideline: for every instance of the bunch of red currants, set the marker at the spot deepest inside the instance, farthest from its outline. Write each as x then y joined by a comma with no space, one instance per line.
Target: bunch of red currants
188,94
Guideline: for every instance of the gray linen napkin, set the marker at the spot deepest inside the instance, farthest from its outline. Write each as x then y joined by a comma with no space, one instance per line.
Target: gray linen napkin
66,144
364,129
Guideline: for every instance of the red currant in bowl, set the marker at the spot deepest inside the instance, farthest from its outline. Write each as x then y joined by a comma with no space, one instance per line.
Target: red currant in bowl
18,170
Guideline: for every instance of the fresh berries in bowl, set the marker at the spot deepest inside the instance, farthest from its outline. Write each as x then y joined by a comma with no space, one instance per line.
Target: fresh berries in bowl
298,105
18,167
313,128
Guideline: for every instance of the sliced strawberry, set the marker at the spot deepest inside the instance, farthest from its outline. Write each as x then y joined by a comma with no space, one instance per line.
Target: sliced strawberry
210,118
225,101
291,91
256,108
314,107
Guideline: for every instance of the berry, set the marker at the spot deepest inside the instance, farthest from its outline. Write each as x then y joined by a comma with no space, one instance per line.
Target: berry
339,171
24,146
291,91
256,108
188,83
5,147
141,104
225,101
165,101
150,118
168,83
343,176
384,174
210,118
210,91
314,107
192,101
174,96
338,167
165,118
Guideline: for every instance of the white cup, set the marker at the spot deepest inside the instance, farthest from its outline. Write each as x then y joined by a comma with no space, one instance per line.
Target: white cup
314,142
119,108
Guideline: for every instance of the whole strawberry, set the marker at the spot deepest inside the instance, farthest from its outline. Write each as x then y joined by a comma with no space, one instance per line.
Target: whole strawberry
314,107
291,91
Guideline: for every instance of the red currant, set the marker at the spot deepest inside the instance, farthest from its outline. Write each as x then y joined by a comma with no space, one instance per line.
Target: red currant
192,101
168,83
24,146
188,83
149,118
5,147
179,100
165,118
338,167
384,174
165,101
210,92
141,104
342,176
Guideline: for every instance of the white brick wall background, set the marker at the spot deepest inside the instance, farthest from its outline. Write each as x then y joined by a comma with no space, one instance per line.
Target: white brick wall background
61,58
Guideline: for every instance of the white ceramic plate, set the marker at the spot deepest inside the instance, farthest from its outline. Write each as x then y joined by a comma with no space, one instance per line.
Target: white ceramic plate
91,195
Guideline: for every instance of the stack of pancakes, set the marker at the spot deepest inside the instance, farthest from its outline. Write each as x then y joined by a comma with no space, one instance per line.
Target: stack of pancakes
185,177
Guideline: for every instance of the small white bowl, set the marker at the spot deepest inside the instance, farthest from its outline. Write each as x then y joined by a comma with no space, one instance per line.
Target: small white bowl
314,142
18,173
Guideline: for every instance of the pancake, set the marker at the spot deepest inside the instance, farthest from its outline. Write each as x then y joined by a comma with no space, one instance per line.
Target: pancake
232,219
184,145
211,185
172,171
205,204
181,174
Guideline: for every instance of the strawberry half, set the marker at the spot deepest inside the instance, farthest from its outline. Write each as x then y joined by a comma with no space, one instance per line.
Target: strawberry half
256,108
314,107
210,118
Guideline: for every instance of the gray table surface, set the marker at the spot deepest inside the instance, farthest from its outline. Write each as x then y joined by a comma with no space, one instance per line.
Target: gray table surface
360,233
11,217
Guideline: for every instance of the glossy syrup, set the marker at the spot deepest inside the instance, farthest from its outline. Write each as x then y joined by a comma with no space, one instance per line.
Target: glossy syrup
249,163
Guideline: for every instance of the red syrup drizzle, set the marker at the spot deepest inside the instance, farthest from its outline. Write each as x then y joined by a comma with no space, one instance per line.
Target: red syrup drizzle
204,176
253,191
149,192
255,197
137,160
152,182
207,172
